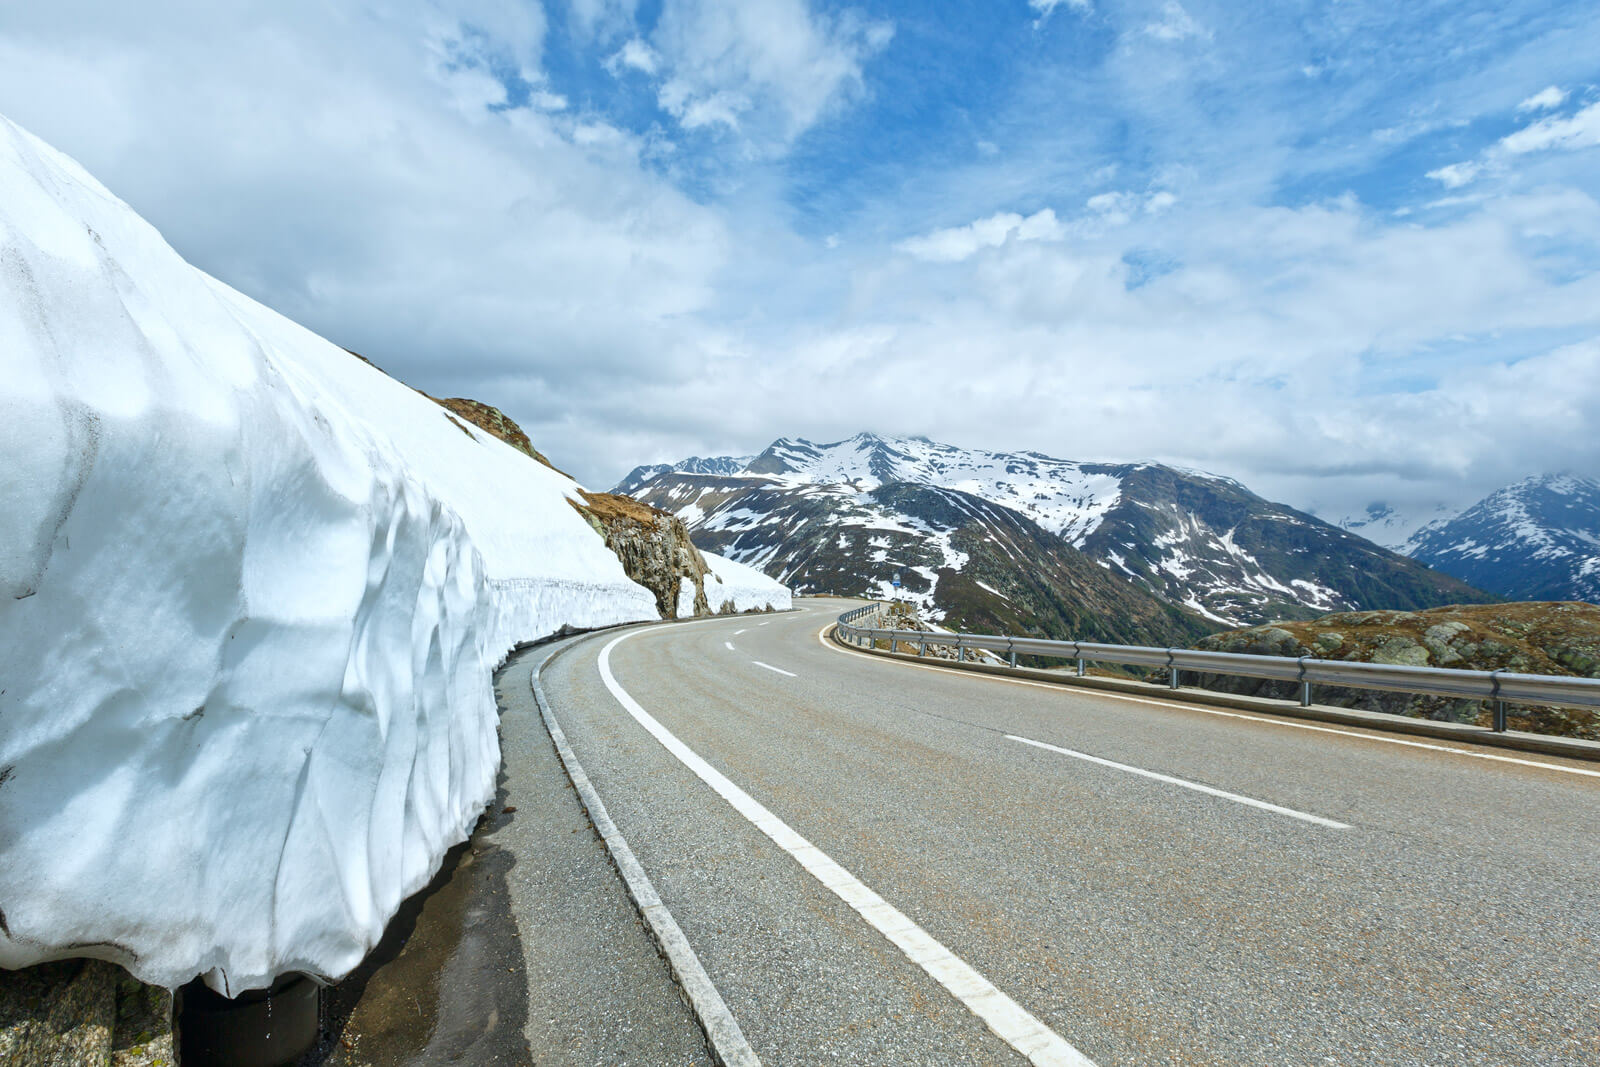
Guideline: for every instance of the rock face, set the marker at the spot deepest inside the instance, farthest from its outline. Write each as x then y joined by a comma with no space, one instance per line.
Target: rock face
492,420
83,1013
1536,540
1527,638
654,548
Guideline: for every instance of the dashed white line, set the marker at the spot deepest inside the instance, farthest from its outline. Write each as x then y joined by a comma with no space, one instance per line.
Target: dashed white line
736,633
1185,783
729,646
1202,710
770,667
1008,1019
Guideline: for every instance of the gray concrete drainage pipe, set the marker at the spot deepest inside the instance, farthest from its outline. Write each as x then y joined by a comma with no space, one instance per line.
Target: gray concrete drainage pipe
271,1027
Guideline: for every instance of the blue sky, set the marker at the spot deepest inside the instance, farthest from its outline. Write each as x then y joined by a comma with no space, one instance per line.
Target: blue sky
1342,252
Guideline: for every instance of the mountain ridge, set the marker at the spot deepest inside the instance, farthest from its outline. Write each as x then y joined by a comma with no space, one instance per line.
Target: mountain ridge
1194,539
1536,539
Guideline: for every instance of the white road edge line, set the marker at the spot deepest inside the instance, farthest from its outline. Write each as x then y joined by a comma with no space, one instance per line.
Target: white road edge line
822,637
1185,783
727,1042
729,646
770,667
1008,1019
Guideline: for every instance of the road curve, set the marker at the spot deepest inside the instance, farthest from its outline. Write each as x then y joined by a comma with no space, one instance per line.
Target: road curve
1151,884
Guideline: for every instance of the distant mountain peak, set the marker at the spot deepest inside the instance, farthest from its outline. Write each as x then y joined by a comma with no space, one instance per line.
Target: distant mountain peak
1535,539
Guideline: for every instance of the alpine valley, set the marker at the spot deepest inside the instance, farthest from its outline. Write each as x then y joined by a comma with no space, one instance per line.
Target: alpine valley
1136,552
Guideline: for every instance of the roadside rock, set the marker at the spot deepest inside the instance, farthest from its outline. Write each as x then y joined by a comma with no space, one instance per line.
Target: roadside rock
1530,638
83,1013
654,548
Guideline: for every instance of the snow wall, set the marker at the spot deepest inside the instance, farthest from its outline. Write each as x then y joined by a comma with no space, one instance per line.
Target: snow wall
252,592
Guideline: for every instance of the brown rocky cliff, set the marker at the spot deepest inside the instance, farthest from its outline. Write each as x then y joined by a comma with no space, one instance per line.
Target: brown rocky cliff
1526,638
654,548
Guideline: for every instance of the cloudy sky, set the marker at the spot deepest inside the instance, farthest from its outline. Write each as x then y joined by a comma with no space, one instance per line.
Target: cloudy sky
1340,251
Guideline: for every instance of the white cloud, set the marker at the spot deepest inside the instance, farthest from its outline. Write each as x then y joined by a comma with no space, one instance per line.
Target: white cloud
1045,7
1456,175
1581,130
545,100
634,55
1176,24
769,68
537,259
1544,100
601,19
961,242
372,194
1159,202
1120,207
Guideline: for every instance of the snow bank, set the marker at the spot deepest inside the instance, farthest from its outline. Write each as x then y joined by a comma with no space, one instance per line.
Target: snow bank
251,595
748,588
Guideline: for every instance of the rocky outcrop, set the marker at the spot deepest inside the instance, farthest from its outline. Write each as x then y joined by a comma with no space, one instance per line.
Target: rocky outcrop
492,420
486,417
1527,638
83,1013
654,548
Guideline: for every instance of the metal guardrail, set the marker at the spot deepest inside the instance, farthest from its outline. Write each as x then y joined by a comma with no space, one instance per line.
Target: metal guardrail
1501,687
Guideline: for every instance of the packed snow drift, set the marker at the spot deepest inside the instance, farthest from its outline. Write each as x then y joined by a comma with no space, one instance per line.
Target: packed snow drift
251,594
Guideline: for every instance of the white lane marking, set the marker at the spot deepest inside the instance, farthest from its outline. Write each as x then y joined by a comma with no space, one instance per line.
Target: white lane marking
770,667
1151,702
1008,1019
729,646
1185,783
722,1029
767,623
736,633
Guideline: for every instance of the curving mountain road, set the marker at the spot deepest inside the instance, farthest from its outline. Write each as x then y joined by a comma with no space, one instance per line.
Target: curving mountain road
1115,880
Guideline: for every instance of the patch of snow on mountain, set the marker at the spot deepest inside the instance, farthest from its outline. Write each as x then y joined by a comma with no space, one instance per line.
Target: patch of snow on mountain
1059,495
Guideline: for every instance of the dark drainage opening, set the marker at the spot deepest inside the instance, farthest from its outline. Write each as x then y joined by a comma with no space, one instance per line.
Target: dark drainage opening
271,1027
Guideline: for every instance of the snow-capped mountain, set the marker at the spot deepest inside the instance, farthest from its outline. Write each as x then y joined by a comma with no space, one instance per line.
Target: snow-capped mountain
693,465
1194,539
1538,539
966,562
1394,527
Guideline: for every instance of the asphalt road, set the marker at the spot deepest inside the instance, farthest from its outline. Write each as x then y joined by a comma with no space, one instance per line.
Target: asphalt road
1323,897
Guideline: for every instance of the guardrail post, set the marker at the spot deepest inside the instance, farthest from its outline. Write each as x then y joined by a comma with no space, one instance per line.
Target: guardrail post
1013,656
1080,666
1172,682
961,651
1305,694
1499,705
922,647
